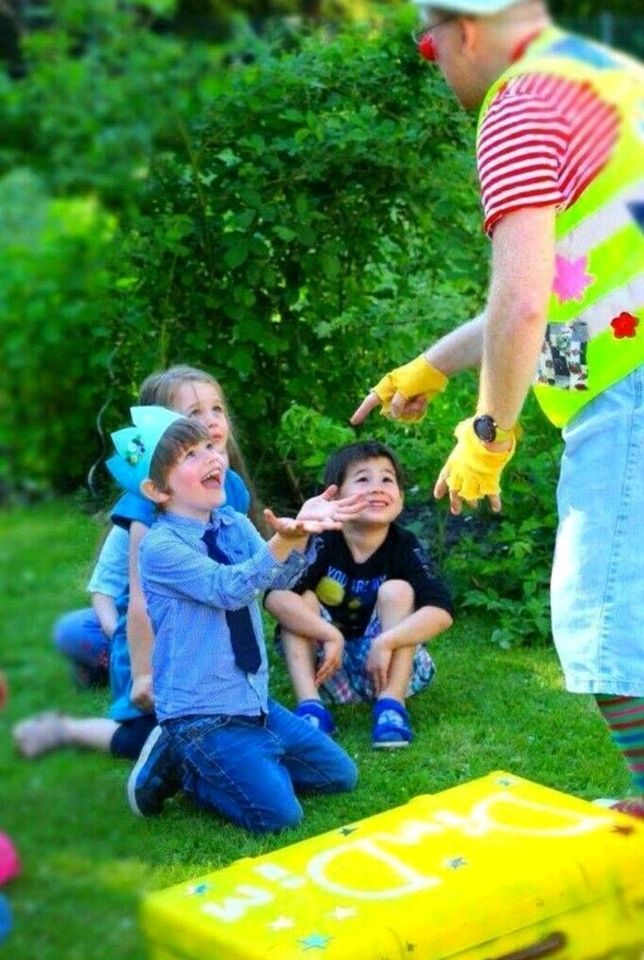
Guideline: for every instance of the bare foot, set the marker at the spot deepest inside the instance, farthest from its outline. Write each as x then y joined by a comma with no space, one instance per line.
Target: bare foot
40,734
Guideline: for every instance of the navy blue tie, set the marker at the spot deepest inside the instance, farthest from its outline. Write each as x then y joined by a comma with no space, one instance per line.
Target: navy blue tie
242,634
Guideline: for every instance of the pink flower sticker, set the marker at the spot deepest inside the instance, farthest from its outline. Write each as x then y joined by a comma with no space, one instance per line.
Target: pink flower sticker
571,278
624,325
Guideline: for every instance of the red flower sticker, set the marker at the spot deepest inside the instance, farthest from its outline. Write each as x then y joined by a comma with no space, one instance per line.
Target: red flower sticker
624,325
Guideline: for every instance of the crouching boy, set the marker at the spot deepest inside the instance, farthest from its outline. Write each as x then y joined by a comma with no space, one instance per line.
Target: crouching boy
353,626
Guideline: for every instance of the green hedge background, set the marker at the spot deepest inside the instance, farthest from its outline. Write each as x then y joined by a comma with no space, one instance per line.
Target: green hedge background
283,194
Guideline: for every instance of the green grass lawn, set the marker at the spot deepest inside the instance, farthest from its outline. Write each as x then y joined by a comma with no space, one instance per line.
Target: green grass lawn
87,861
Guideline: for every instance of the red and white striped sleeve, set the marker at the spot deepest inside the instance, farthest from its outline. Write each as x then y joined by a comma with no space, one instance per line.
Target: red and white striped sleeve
541,143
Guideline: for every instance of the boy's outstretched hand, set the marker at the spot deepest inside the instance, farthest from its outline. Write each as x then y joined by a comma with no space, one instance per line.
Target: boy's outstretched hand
317,514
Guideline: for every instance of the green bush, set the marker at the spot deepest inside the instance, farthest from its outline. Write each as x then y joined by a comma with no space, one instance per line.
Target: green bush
283,230
101,92
319,223
56,343
503,568
297,227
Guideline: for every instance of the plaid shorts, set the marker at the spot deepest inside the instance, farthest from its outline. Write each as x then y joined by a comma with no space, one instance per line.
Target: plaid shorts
352,683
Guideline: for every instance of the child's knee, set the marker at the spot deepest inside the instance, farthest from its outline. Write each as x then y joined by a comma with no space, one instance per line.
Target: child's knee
340,773
258,814
347,778
280,817
66,633
397,593
311,601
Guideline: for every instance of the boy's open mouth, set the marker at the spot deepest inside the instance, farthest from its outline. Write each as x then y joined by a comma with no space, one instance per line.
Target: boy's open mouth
212,479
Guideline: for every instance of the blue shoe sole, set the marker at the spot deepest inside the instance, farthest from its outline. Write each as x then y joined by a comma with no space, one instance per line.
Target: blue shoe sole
148,747
389,744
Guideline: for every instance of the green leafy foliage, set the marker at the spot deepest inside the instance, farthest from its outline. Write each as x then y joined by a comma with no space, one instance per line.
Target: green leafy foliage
283,245
79,128
54,288
100,92
297,227
305,224
503,568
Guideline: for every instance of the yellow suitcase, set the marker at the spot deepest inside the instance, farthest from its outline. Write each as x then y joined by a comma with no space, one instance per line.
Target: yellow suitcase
496,869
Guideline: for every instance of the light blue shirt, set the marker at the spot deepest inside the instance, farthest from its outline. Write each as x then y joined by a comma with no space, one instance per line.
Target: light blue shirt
110,575
187,594
129,508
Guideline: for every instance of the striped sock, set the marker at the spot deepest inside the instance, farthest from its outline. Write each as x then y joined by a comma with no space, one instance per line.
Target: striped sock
625,719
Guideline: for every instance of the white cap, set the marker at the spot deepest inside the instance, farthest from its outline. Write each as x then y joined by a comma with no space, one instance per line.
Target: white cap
477,7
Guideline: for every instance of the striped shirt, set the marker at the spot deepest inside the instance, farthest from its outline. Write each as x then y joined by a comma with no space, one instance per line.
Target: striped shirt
193,666
542,141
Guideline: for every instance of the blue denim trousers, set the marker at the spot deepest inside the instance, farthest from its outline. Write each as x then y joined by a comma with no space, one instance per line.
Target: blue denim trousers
249,768
79,635
597,587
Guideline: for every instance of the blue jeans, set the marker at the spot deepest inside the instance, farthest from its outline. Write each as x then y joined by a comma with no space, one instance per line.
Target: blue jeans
597,589
248,768
79,635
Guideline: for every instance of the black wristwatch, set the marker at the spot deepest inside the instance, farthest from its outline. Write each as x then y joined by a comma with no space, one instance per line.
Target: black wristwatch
487,431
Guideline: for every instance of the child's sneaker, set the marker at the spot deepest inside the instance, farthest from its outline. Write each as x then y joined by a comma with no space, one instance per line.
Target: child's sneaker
391,727
315,713
154,777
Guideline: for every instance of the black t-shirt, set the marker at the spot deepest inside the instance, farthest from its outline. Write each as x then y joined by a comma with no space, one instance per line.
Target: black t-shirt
349,590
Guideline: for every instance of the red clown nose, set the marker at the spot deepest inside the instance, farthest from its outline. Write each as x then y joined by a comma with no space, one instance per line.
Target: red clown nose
426,47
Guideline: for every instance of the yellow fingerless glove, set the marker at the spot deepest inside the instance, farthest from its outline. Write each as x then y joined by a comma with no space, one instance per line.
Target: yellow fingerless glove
472,471
414,378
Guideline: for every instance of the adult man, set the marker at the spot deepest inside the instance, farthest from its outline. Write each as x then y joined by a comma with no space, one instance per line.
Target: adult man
561,160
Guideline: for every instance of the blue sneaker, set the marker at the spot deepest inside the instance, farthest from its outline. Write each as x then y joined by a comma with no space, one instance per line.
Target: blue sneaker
154,778
391,727
316,714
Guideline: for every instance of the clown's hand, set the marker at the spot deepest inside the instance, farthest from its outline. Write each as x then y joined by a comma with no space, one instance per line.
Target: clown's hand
404,392
472,470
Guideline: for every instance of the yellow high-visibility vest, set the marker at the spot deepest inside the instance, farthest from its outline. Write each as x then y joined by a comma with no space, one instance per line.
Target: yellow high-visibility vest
595,331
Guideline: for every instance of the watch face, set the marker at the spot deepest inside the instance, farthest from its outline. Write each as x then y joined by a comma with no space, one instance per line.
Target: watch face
485,428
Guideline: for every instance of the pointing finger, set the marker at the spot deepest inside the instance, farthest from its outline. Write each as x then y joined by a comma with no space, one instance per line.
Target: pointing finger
370,402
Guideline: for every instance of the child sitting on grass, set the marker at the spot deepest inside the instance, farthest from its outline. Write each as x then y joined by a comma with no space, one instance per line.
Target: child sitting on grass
85,636
353,625
126,644
220,738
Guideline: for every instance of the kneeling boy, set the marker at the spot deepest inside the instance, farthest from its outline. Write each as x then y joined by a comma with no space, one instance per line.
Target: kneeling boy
220,738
